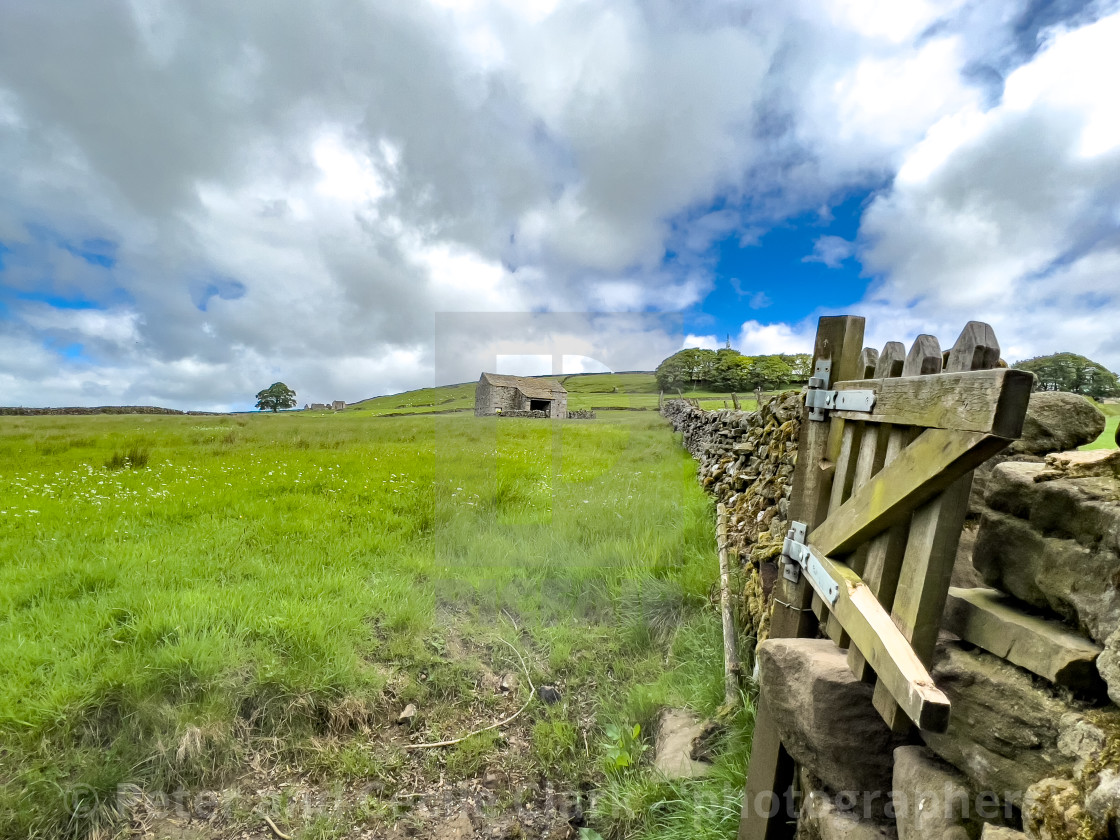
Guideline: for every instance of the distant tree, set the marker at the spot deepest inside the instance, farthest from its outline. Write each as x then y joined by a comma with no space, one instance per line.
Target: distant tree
729,370
276,396
732,372
689,368
800,364
770,373
1074,373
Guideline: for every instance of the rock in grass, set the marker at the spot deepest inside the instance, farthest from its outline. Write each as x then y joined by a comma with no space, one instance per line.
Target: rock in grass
549,694
408,715
677,732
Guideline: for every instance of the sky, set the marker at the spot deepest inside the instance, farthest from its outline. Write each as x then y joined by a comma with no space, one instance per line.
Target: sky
358,198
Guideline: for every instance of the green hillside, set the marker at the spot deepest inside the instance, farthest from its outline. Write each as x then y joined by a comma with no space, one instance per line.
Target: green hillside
602,391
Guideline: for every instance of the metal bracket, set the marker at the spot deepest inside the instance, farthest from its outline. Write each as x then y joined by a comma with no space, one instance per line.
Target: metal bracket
819,400
799,557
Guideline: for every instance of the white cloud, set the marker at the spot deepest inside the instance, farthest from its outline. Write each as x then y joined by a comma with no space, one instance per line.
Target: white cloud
1009,215
296,191
757,339
830,250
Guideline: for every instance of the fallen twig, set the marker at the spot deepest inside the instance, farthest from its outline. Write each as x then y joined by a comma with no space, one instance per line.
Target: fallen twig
532,692
275,830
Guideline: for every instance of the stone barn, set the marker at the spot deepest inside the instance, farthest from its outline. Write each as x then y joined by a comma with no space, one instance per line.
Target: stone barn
519,395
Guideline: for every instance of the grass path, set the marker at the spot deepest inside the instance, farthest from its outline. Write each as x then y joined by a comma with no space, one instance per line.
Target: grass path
249,604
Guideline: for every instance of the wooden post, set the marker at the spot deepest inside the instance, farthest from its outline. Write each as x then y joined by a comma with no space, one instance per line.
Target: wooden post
771,770
732,668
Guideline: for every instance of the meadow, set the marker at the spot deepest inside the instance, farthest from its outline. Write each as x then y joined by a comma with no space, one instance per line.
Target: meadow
1107,438
242,606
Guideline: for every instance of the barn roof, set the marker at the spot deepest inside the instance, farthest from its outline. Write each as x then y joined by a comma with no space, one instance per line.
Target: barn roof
531,386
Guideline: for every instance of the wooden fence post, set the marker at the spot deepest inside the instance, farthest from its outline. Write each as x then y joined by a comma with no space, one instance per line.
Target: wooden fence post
766,797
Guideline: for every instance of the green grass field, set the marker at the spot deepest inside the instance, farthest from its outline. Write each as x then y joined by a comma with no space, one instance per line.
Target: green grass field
245,604
1107,439
588,390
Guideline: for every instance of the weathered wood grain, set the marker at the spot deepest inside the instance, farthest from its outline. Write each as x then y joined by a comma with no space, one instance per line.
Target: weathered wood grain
931,549
991,401
935,459
899,670
868,359
891,360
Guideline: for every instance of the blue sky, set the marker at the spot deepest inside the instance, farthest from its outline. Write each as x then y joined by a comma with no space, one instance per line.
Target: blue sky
200,201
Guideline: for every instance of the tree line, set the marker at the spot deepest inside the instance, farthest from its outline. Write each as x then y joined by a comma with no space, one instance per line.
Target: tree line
1070,372
726,370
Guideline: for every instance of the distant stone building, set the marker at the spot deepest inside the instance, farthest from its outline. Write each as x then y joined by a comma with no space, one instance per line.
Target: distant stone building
319,407
519,395
338,405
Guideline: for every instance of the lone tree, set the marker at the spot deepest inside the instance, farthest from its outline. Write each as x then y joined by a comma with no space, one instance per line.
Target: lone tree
275,397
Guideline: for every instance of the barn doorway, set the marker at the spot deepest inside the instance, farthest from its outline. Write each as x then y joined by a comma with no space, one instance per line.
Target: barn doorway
540,405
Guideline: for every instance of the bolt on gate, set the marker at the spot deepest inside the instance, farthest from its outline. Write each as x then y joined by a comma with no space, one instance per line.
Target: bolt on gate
880,493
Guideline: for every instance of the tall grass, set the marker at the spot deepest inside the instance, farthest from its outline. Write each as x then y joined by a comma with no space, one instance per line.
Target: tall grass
297,577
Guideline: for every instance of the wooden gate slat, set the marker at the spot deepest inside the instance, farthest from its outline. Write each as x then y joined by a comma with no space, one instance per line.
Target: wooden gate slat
931,549
935,459
919,601
770,772
842,483
977,401
900,672
884,556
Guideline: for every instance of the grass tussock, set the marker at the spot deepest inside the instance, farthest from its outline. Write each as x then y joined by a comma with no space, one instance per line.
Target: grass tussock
134,458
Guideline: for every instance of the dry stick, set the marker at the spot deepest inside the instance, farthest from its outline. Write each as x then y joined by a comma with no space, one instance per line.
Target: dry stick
275,830
532,691
731,664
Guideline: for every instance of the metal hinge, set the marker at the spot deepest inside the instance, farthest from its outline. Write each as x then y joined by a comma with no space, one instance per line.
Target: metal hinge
799,557
819,400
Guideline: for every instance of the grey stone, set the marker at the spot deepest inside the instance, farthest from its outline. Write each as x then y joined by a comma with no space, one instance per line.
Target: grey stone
999,832
1080,740
1075,582
1108,664
820,819
407,715
1102,804
931,799
677,731
1005,627
824,715
1003,731
1056,421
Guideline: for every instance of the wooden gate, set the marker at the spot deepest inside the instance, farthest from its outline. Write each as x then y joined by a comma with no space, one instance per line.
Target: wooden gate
884,469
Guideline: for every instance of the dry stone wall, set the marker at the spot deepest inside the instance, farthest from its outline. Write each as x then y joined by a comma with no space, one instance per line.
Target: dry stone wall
746,461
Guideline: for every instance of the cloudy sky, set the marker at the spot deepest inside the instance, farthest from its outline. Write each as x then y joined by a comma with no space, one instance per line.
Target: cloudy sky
199,198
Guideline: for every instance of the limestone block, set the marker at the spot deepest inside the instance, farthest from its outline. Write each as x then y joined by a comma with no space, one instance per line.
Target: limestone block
931,799
1002,626
1003,731
824,715
1075,582
821,819
1052,810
